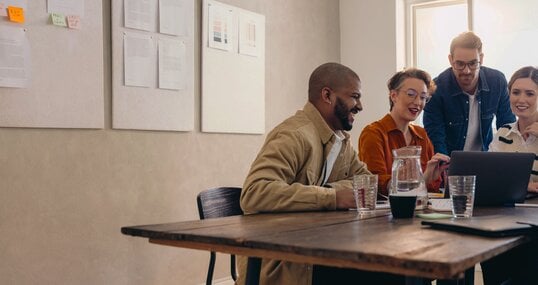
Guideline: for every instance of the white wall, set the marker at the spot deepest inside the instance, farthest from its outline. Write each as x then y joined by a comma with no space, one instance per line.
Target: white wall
370,45
64,194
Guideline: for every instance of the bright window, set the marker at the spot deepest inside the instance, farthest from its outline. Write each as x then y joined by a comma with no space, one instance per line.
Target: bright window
508,30
431,26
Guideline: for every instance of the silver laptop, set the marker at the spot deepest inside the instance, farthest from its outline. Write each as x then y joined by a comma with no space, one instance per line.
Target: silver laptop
501,177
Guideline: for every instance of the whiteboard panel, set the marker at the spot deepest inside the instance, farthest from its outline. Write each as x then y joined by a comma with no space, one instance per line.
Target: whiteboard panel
233,84
151,108
66,86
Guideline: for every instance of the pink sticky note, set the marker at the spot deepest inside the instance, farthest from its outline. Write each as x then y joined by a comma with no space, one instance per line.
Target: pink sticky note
73,22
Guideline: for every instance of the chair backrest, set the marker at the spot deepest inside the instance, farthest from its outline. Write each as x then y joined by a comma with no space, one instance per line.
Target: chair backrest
219,202
216,203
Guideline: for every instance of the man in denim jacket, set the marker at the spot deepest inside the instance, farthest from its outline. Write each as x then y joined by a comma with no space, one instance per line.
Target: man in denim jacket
468,96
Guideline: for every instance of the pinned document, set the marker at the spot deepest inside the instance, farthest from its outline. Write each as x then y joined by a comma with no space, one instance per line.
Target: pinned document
73,22
14,57
15,14
58,19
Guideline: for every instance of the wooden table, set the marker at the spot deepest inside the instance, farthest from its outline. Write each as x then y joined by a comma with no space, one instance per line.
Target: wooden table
374,242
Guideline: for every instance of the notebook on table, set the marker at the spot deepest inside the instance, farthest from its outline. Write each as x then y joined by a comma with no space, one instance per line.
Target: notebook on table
490,226
501,177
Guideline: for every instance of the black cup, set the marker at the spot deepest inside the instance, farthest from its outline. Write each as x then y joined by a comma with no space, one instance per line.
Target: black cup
402,206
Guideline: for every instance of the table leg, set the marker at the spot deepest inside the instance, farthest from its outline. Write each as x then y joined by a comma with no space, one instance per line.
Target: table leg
467,280
253,271
469,276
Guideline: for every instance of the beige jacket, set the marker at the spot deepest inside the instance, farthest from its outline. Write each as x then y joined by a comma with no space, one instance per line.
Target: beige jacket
286,176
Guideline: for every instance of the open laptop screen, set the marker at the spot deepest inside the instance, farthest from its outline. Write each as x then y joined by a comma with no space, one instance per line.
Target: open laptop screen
501,177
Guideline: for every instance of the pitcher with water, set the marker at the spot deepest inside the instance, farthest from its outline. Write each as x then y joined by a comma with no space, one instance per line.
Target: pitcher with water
407,176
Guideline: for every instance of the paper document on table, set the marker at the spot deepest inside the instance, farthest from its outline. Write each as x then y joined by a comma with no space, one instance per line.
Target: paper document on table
441,205
378,206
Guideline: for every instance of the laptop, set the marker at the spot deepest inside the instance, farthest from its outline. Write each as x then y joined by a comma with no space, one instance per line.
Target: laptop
502,178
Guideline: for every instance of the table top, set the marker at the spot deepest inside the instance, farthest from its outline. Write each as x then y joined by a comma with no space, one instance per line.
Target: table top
375,242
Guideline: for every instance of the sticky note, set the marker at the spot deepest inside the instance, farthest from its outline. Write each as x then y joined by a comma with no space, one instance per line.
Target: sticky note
73,22
58,19
15,14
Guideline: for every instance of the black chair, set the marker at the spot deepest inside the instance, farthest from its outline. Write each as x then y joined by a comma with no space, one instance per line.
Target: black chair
215,203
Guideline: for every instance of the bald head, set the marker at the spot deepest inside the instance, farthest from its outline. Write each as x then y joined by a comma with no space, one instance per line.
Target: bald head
332,75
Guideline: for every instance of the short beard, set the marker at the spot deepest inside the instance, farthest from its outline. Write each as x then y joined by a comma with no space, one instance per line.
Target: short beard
342,113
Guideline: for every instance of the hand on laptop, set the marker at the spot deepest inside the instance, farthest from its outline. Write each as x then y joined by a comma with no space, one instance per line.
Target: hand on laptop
436,165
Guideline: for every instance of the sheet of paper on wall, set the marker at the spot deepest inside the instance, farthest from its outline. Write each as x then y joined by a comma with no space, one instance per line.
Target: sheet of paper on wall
66,7
172,54
138,58
73,22
249,34
58,19
15,3
140,14
15,14
14,57
173,17
220,28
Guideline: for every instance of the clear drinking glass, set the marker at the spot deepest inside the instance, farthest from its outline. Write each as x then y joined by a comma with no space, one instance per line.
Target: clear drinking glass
365,191
462,195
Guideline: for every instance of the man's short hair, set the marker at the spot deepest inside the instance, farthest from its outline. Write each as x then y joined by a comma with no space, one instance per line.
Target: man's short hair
332,75
467,40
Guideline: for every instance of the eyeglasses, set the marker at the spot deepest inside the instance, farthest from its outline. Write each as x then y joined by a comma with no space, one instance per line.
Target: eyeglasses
412,93
460,65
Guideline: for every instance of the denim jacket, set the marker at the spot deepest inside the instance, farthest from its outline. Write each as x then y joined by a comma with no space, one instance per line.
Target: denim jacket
446,115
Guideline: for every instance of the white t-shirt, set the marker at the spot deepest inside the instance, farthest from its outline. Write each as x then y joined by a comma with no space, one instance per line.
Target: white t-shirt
473,140
333,154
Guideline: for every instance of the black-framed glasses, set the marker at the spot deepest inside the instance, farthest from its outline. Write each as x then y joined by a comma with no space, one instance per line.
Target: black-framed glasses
460,65
412,93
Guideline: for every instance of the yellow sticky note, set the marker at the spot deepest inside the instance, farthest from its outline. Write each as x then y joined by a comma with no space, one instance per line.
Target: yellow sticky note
58,19
73,22
15,14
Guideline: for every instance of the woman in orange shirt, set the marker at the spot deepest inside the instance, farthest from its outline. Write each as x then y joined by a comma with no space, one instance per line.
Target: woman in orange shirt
409,91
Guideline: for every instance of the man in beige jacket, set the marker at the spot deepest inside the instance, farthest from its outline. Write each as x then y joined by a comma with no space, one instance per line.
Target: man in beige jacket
307,163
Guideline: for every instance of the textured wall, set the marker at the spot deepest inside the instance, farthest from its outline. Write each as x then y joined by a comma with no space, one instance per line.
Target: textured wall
66,193
369,31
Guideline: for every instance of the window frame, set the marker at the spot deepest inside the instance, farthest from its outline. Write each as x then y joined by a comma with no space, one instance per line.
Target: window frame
411,7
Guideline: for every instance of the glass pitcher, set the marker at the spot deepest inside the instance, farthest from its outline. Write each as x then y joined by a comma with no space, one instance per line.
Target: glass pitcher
407,176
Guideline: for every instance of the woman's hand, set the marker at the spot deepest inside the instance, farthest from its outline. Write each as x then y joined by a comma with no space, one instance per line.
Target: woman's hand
531,130
533,187
435,166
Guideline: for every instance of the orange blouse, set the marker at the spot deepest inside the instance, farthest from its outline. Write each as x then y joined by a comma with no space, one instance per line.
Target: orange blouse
378,139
